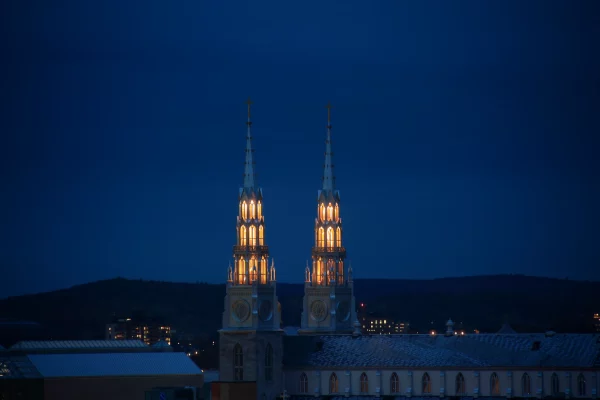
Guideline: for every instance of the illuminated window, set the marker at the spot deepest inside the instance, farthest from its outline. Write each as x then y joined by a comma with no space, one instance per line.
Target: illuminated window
238,363
259,207
337,212
581,389
338,237
394,383
252,236
322,209
333,383
269,363
261,235
364,383
243,236
525,385
329,212
252,210
330,237
253,272
495,385
241,271
425,384
320,272
303,383
263,270
460,384
244,210
321,241
340,273
555,385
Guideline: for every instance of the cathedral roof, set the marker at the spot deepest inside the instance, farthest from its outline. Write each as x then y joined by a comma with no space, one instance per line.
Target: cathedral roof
423,351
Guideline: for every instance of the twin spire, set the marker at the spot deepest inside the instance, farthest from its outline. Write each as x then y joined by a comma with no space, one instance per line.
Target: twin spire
328,177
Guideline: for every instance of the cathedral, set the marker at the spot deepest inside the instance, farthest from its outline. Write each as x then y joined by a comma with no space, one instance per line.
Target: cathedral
328,357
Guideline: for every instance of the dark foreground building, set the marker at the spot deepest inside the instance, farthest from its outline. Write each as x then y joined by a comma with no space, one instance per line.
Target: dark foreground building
92,370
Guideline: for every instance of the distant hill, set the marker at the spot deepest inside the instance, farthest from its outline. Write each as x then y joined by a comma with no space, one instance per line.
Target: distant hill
481,302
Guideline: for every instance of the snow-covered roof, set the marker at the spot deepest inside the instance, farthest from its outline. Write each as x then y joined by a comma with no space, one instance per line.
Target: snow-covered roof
78,344
113,364
422,351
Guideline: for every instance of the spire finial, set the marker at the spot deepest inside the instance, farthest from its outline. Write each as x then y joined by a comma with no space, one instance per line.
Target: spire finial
249,164
249,102
328,178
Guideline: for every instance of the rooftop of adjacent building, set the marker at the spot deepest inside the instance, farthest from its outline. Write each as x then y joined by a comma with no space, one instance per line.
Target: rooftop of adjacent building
88,358
414,351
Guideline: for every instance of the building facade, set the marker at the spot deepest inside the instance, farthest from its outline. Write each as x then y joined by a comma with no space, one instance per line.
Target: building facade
330,357
130,329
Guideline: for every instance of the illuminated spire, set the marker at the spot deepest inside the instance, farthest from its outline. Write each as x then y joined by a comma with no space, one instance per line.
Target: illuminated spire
328,178
249,164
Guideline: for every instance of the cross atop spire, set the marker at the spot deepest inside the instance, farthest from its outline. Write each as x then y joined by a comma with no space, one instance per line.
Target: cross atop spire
249,163
328,178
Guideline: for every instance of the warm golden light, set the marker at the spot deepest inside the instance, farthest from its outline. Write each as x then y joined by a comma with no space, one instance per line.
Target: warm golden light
252,236
330,237
263,270
338,237
253,273
322,212
241,271
321,241
259,210
337,213
261,235
243,236
244,210
330,212
252,210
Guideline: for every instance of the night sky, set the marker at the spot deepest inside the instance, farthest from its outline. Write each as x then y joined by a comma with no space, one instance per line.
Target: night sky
465,136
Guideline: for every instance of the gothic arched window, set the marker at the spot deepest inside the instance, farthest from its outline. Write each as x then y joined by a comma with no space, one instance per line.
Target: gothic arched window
338,237
554,385
322,209
269,363
238,363
337,212
252,235
259,207
495,385
241,271
252,210
330,212
263,270
330,237
333,383
394,383
253,271
426,383
364,383
525,385
244,210
581,389
321,237
460,384
243,236
303,383
261,235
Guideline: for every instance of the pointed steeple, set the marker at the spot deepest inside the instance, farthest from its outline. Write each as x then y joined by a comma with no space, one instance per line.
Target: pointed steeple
249,164
328,178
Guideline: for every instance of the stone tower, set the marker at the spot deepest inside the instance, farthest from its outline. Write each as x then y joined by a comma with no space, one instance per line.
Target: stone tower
329,305
251,337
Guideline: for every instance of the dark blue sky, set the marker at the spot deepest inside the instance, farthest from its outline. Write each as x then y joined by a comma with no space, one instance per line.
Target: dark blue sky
465,136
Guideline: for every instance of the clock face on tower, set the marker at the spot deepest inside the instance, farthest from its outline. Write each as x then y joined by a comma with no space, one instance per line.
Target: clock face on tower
265,310
342,311
240,310
318,310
